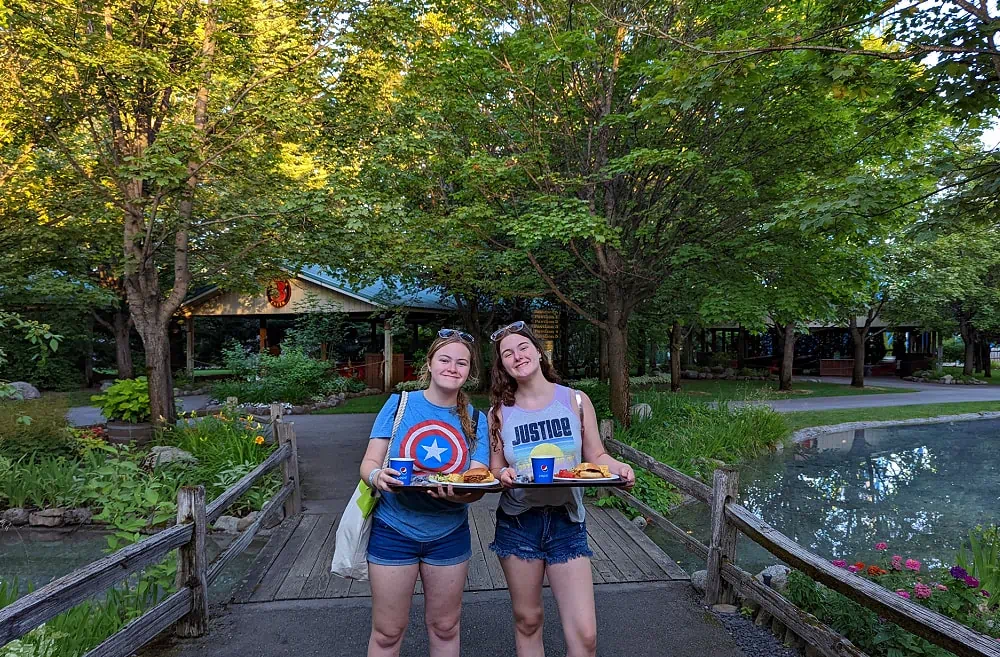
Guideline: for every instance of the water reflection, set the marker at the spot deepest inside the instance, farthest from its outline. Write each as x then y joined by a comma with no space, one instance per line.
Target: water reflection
920,488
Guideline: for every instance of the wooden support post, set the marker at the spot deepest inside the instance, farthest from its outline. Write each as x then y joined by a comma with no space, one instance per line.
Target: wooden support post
276,412
189,351
232,402
263,334
290,468
607,433
323,351
387,353
722,549
192,562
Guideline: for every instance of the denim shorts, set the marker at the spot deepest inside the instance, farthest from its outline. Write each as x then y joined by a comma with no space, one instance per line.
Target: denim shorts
543,533
387,547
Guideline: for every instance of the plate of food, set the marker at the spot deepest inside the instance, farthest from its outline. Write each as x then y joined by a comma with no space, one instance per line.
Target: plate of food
589,471
474,478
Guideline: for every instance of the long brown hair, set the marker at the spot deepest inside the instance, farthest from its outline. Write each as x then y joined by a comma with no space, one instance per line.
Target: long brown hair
503,386
468,428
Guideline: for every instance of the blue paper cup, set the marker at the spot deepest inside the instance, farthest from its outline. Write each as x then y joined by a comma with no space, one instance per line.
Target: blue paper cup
543,467
405,469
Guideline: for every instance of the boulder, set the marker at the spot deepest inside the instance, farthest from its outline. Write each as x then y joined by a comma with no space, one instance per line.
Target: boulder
16,517
947,378
47,518
162,454
246,521
639,522
79,516
698,578
227,524
717,369
690,374
725,609
642,411
776,576
26,390
702,375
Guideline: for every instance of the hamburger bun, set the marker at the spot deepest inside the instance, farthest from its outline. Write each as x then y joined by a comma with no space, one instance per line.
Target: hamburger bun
591,471
477,476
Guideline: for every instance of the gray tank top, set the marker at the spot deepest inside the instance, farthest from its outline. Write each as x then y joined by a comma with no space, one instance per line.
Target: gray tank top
551,431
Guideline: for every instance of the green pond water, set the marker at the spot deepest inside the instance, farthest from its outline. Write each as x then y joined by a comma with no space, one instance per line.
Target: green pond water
919,488
36,557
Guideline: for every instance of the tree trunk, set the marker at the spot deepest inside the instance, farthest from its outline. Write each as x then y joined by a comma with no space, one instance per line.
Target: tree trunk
787,355
859,336
969,338
617,342
602,364
156,344
987,365
564,342
122,327
676,349
641,352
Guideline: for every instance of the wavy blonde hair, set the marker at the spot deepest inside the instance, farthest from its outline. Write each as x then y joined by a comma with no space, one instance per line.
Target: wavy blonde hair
462,407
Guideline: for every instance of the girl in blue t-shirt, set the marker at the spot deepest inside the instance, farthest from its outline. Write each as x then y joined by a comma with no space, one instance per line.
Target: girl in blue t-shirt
425,532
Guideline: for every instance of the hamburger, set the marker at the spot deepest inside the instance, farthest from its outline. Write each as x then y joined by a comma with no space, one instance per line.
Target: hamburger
591,471
477,476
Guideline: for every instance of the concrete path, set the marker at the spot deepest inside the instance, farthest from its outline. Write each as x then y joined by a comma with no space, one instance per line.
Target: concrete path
634,620
927,393
85,416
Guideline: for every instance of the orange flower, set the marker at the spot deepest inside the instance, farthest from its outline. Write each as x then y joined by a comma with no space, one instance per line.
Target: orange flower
875,571
259,440
860,565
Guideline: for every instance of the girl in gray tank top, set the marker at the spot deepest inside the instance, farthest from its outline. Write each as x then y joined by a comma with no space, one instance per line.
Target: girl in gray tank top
542,532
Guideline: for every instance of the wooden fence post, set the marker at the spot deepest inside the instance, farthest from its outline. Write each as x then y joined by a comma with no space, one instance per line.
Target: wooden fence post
232,402
290,468
192,562
607,429
725,488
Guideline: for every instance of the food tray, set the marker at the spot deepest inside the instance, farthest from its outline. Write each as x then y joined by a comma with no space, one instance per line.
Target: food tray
614,482
421,482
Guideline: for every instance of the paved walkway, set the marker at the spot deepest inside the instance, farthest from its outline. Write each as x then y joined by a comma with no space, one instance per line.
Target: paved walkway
927,393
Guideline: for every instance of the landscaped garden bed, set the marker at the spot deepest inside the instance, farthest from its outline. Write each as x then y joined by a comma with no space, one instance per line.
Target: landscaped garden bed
930,376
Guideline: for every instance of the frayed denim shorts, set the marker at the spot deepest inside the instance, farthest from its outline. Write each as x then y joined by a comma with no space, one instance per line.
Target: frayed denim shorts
542,533
387,547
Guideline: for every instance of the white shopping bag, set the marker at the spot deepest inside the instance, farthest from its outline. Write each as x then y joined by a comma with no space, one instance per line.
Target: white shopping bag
350,558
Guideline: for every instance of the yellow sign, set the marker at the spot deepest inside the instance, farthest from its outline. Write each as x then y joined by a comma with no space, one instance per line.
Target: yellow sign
545,324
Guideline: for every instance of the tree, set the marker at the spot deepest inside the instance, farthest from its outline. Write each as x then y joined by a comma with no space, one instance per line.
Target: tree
190,124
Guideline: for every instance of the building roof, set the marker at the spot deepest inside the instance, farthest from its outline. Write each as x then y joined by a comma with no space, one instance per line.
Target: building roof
382,292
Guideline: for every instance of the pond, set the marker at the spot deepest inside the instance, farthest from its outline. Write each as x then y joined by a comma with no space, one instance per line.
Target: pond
920,488
36,557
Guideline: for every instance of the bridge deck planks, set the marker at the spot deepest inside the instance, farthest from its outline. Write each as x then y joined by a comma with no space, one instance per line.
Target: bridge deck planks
298,563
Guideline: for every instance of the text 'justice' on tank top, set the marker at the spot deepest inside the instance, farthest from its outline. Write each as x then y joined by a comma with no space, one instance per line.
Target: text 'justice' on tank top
551,431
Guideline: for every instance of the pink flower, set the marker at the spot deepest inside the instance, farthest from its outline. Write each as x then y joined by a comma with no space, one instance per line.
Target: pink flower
903,594
853,569
985,593
922,591
912,564
897,562
942,587
881,545
839,563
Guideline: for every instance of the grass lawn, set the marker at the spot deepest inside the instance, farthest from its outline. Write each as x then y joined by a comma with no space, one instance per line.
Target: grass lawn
719,389
802,419
374,404
73,398
957,371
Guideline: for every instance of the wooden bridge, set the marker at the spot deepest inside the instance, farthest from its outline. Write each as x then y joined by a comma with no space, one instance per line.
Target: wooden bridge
295,564
294,567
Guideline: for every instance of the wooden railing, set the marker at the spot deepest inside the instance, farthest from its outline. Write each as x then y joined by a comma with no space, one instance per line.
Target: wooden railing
188,607
726,582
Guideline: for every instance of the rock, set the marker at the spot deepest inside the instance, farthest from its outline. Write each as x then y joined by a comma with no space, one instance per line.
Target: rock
642,411
639,522
725,609
341,396
161,455
947,378
297,410
47,518
698,578
26,390
728,372
717,369
246,521
702,375
778,576
227,524
79,516
16,517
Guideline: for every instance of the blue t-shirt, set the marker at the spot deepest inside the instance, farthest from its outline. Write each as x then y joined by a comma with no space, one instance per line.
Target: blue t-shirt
432,435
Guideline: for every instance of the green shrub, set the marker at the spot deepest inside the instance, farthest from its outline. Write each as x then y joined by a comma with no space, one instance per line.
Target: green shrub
236,359
43,433
953,350
293,367
721,359
125,401
982,559
341,384
264,391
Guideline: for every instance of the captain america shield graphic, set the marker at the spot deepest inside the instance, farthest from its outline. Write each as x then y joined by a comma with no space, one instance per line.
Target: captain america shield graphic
435,446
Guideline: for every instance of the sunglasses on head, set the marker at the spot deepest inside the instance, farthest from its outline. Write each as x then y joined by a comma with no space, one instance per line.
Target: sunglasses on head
510,328
455,333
